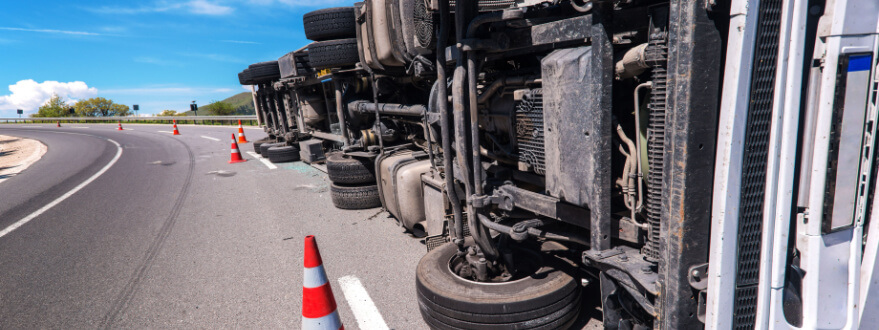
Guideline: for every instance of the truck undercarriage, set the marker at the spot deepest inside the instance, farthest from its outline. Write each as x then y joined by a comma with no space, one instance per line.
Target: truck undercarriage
536,146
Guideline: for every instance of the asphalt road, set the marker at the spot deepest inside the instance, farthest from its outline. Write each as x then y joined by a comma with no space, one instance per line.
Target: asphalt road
171,235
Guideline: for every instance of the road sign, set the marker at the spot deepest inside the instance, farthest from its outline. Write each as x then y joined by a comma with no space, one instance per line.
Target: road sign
72,110
136,107
20,112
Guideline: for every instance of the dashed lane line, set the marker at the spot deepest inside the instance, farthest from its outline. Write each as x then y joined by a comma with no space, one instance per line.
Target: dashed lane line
58,200
210,138
367,315
263,160
169,132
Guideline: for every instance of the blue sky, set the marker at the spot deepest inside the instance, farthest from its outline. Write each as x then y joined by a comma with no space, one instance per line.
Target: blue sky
160,54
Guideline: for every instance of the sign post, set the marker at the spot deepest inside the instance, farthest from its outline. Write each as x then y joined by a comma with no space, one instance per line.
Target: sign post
194,108
20,112
135,107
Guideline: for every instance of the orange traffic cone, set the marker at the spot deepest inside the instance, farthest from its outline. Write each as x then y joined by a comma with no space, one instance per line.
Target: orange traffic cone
241,138
236,155
176,132
318,305
120,126
59,124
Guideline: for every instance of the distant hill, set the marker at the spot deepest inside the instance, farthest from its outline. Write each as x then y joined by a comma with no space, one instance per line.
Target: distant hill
242,103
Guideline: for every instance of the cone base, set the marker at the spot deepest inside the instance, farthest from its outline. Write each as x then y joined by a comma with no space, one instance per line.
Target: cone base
242,141
176,133
120,129
237,161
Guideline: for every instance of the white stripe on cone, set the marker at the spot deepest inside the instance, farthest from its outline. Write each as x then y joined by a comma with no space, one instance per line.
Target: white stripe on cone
234,151
314,277
329,322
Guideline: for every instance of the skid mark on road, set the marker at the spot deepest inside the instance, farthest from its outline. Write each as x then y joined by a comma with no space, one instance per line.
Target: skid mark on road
121,303
263,160
367,315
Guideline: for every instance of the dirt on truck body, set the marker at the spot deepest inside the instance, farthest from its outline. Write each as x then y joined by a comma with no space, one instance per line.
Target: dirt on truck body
540,146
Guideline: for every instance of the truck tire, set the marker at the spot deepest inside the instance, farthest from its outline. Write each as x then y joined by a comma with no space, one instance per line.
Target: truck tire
333,53
355,197
260,142
264,148
244,77
344,169
550,300
283,154
265,71
330,23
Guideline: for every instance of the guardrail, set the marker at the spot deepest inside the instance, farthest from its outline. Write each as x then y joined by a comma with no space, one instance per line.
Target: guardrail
206,120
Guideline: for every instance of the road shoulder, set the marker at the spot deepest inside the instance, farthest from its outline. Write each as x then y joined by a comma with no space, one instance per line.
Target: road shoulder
17,154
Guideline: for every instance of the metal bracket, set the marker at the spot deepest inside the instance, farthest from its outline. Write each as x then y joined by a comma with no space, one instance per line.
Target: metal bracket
502,200
604,254
698,276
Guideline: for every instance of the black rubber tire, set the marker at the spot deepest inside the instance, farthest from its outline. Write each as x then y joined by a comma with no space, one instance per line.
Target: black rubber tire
347,170
265,71
283,154
549,299
244,77
355,197
303,66
264,148
259,142
330,24
333,53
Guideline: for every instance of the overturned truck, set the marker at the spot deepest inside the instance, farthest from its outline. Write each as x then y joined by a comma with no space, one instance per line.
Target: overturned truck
668,154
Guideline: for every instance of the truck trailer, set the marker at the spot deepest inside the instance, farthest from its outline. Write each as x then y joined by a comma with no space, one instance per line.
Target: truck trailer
683,163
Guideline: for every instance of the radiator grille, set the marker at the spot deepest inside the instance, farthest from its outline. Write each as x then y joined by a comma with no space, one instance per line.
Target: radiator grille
657,56
529,130
745,312
756,147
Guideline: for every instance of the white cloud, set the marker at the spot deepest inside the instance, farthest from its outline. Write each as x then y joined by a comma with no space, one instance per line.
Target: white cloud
199,7
79,33
204,7
29,95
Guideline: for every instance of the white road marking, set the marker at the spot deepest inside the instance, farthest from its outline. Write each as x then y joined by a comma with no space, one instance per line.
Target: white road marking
367,315
78,126
58,200
169,132
210,138
263,160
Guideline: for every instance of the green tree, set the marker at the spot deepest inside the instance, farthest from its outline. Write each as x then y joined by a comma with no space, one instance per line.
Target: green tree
55,107
100,107
245,110
167,113
220,108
